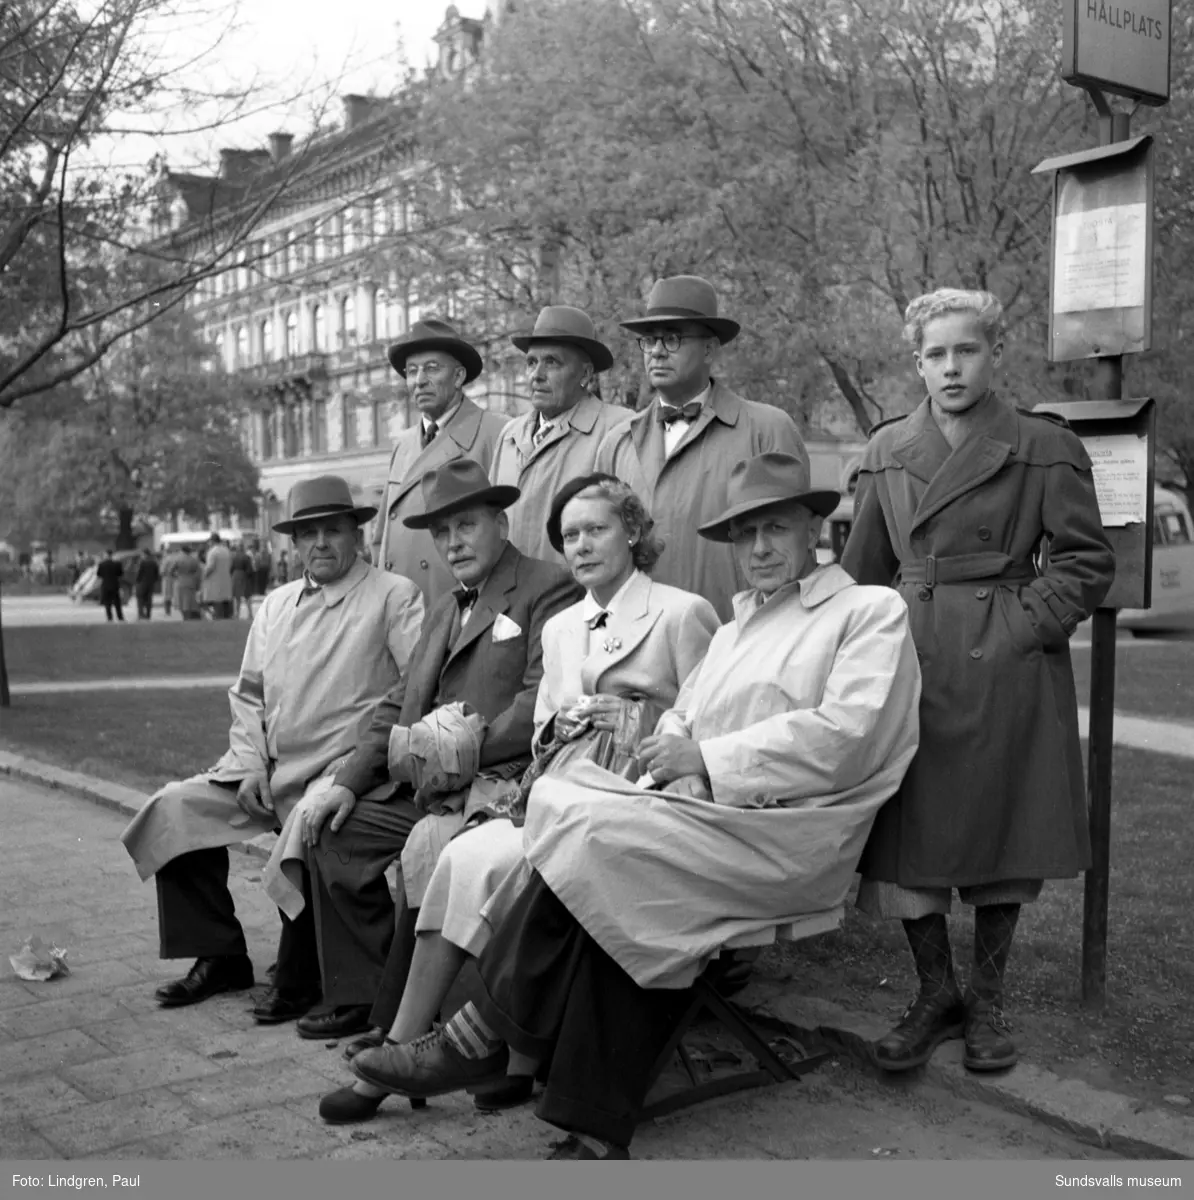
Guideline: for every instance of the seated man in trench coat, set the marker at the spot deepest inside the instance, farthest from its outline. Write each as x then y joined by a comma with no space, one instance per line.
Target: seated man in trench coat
761,786
481,646
322,652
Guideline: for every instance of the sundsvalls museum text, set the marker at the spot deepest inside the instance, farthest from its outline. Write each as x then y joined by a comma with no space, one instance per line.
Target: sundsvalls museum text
1118,1181
78,1182
1124,18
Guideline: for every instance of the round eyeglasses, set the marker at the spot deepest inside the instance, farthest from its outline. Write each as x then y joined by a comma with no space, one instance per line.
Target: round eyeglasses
671,341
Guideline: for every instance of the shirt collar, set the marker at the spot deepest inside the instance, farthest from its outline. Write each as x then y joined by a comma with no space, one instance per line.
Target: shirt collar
444,419
592,610
816,587
701,398
333,593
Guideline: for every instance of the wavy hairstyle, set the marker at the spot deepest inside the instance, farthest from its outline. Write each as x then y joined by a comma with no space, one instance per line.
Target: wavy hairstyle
625,502
984,305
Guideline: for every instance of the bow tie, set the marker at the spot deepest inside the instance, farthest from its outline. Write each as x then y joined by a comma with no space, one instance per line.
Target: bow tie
466,598
687,412
598,622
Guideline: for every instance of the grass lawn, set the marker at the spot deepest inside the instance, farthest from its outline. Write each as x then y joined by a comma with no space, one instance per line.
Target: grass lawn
1153,678
1145,1039
147,648
139,738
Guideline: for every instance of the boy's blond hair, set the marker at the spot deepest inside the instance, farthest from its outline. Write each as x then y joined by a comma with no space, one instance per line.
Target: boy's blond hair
984,305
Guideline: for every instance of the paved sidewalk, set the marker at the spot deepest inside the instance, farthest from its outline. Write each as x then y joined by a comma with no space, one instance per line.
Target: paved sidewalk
166,682
90,1067
1147,733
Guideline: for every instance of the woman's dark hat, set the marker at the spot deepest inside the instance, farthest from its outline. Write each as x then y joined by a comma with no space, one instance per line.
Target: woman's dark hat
323,496
459,484
433,334
569,490
571,326
682,298
763,481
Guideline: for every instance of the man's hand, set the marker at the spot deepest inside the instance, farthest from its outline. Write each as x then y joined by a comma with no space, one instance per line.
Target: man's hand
254,796
669,756
337,799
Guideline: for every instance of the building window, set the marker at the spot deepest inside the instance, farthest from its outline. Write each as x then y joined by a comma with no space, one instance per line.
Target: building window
267,340
319,330
292,334
292,432
268,449
338,224
242,347
348,321
319,427
242,271
351,423
373,330
379,417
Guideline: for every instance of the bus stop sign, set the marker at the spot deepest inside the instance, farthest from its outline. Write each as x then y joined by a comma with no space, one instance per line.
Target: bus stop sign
1120,47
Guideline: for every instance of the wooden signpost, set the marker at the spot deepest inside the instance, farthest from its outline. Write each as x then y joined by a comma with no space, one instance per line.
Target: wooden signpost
1100,307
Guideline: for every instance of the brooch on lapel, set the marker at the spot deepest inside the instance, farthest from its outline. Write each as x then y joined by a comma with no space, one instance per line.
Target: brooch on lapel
612,644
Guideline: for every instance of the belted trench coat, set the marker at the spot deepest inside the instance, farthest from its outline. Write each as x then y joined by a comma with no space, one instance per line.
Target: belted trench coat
996,790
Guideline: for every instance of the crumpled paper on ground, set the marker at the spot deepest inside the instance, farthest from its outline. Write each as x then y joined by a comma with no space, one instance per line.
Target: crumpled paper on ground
38,962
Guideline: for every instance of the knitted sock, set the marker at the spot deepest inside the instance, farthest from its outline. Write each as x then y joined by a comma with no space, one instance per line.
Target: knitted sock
469,1036
928,938
994,928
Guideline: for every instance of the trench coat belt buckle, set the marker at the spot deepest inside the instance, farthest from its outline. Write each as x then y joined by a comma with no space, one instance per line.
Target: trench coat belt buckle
989,568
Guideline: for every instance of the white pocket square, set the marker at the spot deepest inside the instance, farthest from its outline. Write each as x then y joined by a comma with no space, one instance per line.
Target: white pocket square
504,629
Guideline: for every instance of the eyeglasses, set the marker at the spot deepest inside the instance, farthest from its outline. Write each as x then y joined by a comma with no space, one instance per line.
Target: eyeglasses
671,341
430,368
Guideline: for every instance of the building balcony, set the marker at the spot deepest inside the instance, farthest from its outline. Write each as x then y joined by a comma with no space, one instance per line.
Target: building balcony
298,371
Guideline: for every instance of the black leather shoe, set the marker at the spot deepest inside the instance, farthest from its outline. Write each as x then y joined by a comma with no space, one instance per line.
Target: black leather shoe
371,1040
509,1093
277,1006
988,1046
346,1107
342,1021
208,977
927,1023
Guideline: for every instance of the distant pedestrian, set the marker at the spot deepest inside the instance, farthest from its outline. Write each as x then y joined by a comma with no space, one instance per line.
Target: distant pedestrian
262,565
168,567
148,574
110,574
188,575
242,581
217,580
283,568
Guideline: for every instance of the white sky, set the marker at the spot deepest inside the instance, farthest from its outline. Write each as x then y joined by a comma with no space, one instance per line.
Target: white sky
301,56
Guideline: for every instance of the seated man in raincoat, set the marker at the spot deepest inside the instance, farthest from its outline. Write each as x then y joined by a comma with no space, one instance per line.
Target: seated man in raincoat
763,783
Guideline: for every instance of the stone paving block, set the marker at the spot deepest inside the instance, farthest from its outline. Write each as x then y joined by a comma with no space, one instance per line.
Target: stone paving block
50,1052
64,1012
250,1044
368,1144
125,1073
113,945
15,994
126,1034
90,980
18,1141
98,1129
39,1094
256,1085
262,1134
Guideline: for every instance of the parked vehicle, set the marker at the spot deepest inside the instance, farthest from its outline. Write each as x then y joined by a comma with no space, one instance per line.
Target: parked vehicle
1173,570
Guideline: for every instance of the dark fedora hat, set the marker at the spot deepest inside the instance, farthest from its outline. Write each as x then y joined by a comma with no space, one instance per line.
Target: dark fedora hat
323,496
572,326
461,483
684,298
763,481
567,492
434,334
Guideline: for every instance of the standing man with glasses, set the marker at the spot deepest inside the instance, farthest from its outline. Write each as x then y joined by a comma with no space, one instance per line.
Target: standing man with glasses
678,453
437,364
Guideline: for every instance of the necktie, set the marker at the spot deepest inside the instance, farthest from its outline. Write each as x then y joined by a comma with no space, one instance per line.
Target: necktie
541,431
600,619
429,434
688,412
466,598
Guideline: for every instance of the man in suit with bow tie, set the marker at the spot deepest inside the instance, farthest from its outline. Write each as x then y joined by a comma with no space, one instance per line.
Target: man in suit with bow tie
437,364
557,440
677,453
481,644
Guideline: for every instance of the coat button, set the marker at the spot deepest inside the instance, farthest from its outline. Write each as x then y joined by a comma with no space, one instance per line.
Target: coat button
984,534
423,564
982,593
925,593
976,654
389,564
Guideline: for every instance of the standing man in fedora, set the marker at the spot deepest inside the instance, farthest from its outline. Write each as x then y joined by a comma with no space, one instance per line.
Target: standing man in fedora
322,651
677,454
482,646
437,364
558,439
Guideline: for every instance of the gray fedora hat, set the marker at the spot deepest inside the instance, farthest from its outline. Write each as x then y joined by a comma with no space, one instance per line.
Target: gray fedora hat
681,298
458,484
323,496
573,327
763,481
434,334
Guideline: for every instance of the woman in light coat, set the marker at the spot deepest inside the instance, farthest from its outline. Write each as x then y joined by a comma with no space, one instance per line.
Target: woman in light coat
954,504
613,663
188,575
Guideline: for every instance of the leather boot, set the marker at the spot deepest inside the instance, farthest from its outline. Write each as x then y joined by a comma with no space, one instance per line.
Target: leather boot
988,1046
937,1013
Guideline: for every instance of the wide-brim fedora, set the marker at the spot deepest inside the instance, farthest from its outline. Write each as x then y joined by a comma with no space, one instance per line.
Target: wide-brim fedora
323,496
433,334
459,484
680,298
572,327
764,481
